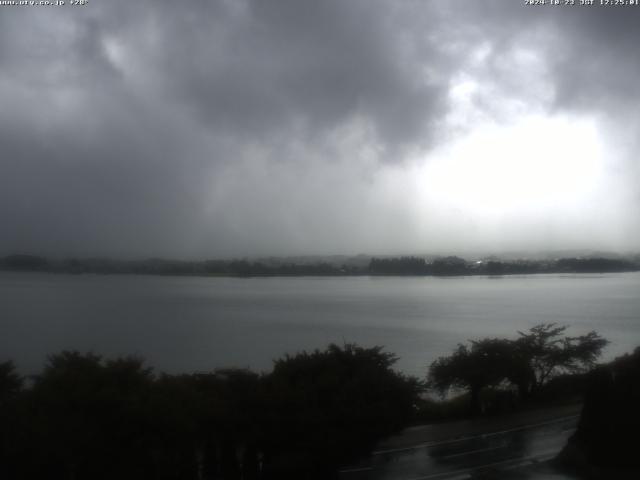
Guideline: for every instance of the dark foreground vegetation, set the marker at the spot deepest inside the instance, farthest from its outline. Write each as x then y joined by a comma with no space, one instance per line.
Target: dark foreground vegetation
606,442
441,266
87,417
541,363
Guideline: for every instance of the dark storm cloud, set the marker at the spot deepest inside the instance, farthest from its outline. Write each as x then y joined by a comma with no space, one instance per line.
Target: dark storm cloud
252,69
242,127
117,115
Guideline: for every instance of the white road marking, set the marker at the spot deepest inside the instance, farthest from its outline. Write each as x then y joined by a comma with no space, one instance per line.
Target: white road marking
469,452
464,473
472,437
354,470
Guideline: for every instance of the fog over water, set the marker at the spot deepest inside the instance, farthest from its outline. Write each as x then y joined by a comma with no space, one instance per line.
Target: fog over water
196,324
249,128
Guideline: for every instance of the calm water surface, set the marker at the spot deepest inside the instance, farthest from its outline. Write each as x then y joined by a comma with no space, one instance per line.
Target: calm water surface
197,324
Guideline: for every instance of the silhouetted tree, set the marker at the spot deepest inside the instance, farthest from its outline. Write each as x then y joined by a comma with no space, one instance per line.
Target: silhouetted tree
528,362
548,353
326,407
484,363
89,418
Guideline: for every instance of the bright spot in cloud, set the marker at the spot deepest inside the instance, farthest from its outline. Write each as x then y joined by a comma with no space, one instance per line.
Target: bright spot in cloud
537,164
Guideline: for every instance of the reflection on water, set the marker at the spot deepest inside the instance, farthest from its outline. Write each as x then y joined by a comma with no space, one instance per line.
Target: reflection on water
181,323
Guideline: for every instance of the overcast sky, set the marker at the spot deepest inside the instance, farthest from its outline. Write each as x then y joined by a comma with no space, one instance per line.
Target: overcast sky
243,128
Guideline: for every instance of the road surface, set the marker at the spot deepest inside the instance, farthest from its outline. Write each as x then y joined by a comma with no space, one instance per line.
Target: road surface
515,446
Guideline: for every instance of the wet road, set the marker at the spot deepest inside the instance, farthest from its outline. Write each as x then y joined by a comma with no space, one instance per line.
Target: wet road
494,455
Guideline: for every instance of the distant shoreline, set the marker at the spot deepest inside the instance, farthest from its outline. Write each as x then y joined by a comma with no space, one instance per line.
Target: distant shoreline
450,266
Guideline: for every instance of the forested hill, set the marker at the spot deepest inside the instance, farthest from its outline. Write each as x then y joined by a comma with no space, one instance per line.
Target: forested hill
318,266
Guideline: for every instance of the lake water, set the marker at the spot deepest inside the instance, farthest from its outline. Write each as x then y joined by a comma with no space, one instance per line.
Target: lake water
197,324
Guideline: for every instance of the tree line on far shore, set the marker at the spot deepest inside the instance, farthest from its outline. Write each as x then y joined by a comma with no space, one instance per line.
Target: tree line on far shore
85,416
393,266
